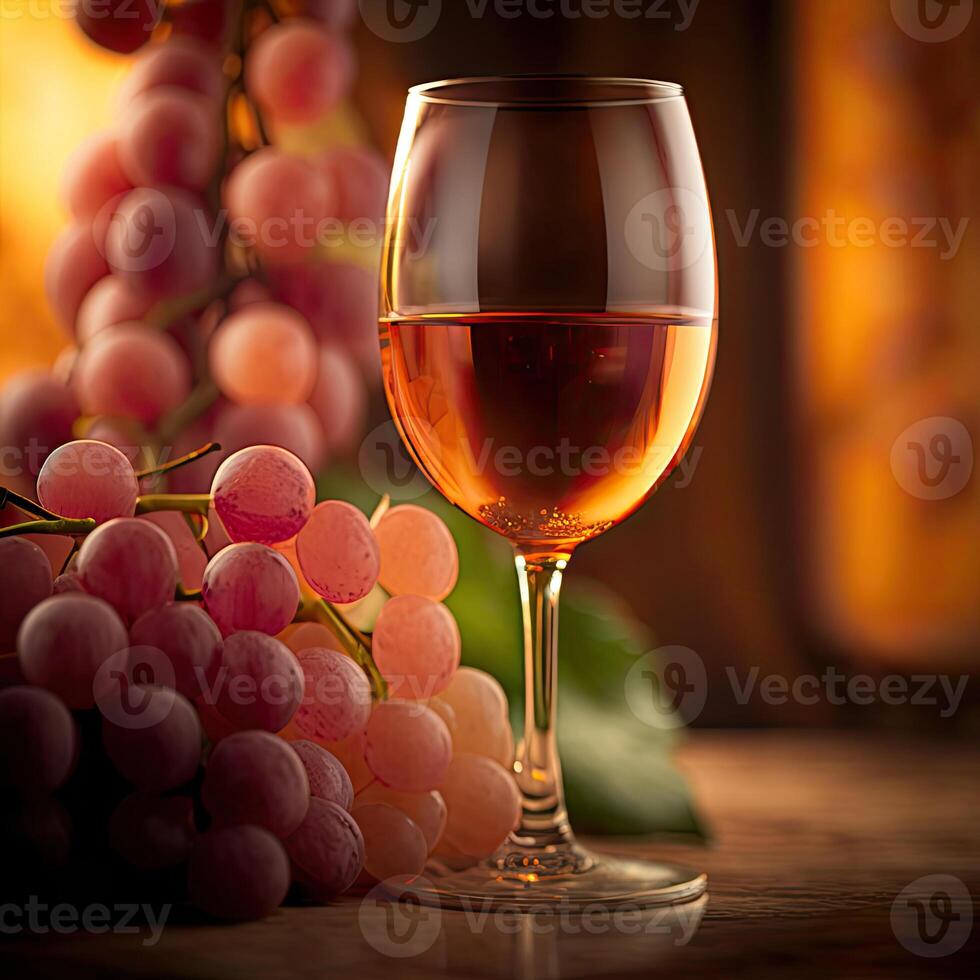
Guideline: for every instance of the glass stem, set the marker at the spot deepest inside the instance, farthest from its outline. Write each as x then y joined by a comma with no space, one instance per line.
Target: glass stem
544,821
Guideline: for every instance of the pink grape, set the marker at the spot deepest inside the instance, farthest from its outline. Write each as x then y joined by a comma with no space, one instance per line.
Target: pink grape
153,832
264,355
64,640
483,805
427,810
38,741
207,21
64,364
263,494
131,564
67,582
126,435
339,398
256,778
131,370
25,579
36,416
238,873
159,242
326,851
119,25
303,636
336,696
191,560
88,479
350,752
416,646
418,553
338,552
482,720
327,775
247,292
170,136
292,427
408,746
75,263
93,176
189,638
162,754
393,843
250,587
335,14
183,62
260,682
444,711
111,301
360,178
296,71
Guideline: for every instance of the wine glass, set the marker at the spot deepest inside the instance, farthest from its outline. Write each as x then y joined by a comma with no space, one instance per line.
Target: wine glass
548,330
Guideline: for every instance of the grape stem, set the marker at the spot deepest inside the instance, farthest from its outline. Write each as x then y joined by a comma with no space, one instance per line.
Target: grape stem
383,504
28,506
184,503
60,525
354,642
210,447
196,403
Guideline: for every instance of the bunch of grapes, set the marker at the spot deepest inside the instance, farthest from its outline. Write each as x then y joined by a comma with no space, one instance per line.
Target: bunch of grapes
240,692
207,281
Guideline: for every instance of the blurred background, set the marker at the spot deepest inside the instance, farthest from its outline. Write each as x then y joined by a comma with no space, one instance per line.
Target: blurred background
829,512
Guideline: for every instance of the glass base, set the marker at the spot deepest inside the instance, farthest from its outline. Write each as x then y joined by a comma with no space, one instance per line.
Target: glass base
565,877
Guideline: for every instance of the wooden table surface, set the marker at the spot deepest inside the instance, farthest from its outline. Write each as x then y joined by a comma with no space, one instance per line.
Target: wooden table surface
816,834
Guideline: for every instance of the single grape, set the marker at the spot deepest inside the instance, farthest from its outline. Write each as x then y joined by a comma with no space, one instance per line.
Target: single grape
153,832
292,427
336,696
131,564
67,582
238,873
416,646
93,176
25,579
483,804
216,726
482,717
170,136
303,636
156,756
263,494
63,641
393,843
119,25
260,682
256,778
327,775
75,263
247,292
131,370
360,178
189,638
427,810
88,479
125,434
418,553
408,746
326,851
339,398
182,62
444,711
335,14
111,301
338,552
296,71
191,560
207,21
38,741
36,416
250,587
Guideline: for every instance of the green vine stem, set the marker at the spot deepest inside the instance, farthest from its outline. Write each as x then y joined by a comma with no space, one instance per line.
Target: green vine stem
28,506
383,505
184,503
195,405
60,525
209,447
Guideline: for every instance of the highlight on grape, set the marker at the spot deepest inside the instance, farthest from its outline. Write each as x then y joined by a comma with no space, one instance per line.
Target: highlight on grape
191,712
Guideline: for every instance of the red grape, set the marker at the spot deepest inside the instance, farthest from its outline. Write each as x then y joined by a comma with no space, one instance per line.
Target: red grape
408,746
191,560
250,587
247,292
162,754
336,696
482,720
131,564
427,810
327,776
338,552
418,553
64,640
93,176
119,25
360,179
264,354
182,62
153,832
238,873
67,582
292,427
326,851
335,14
339,398
393,843
88,479
36,416
264,494
216,726
38,741
297,71
256,778
483,803
75,263
112,300
207,21
260,682
25,579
